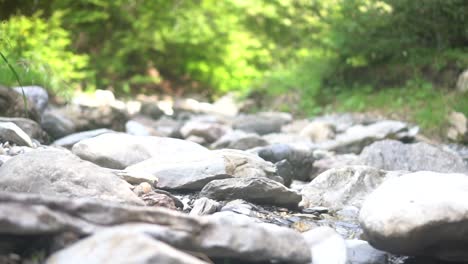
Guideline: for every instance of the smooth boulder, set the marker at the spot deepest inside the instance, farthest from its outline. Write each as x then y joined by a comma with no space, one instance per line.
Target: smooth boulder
419,214
119,150
60,173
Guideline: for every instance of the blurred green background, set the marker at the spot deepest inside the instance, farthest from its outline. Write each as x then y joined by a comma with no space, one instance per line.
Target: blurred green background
398,57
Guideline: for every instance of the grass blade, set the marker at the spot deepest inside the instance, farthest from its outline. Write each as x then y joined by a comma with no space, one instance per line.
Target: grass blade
25,100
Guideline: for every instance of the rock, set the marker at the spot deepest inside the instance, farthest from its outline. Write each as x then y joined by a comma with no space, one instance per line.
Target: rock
204,206
159,200
326,246
243,164
136,129
214,236
355,138
253,189
142,188
318,131
145,126
119,150
12,105
300,159
13,134
227,105
151,109
262,123
419,214
192,169
462,82
394,155
343,121
70,140
30,127
120,245
96,117
286,171
58,172
35,94
56,124
295,127
167,127
238,139
239,207
336,188
332,162
360,252
186,173
458,130
137,177
289,139
210,132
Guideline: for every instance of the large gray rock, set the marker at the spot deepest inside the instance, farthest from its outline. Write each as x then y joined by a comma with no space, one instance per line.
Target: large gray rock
355,138
70,140
30,127
238,139
253,189
262,123
183,172
193,170
35,94
121,245
56,124
119,150
9,132
419,214
337,188
326,246
58,172
394,155
12,105
332,162
215,236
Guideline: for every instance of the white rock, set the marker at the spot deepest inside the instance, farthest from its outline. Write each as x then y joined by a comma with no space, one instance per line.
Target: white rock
423,213
326,246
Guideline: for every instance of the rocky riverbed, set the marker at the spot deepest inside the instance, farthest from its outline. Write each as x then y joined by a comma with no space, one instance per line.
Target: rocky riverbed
180,181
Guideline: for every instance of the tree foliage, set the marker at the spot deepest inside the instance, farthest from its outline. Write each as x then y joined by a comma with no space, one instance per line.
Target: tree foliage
217,46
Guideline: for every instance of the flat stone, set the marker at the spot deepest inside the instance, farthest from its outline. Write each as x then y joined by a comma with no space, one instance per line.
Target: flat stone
70,140
13,134
394,155
204,206
119,150
254,189
60,173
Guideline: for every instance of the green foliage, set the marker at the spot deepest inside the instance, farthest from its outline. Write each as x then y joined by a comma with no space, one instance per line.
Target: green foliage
38,50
